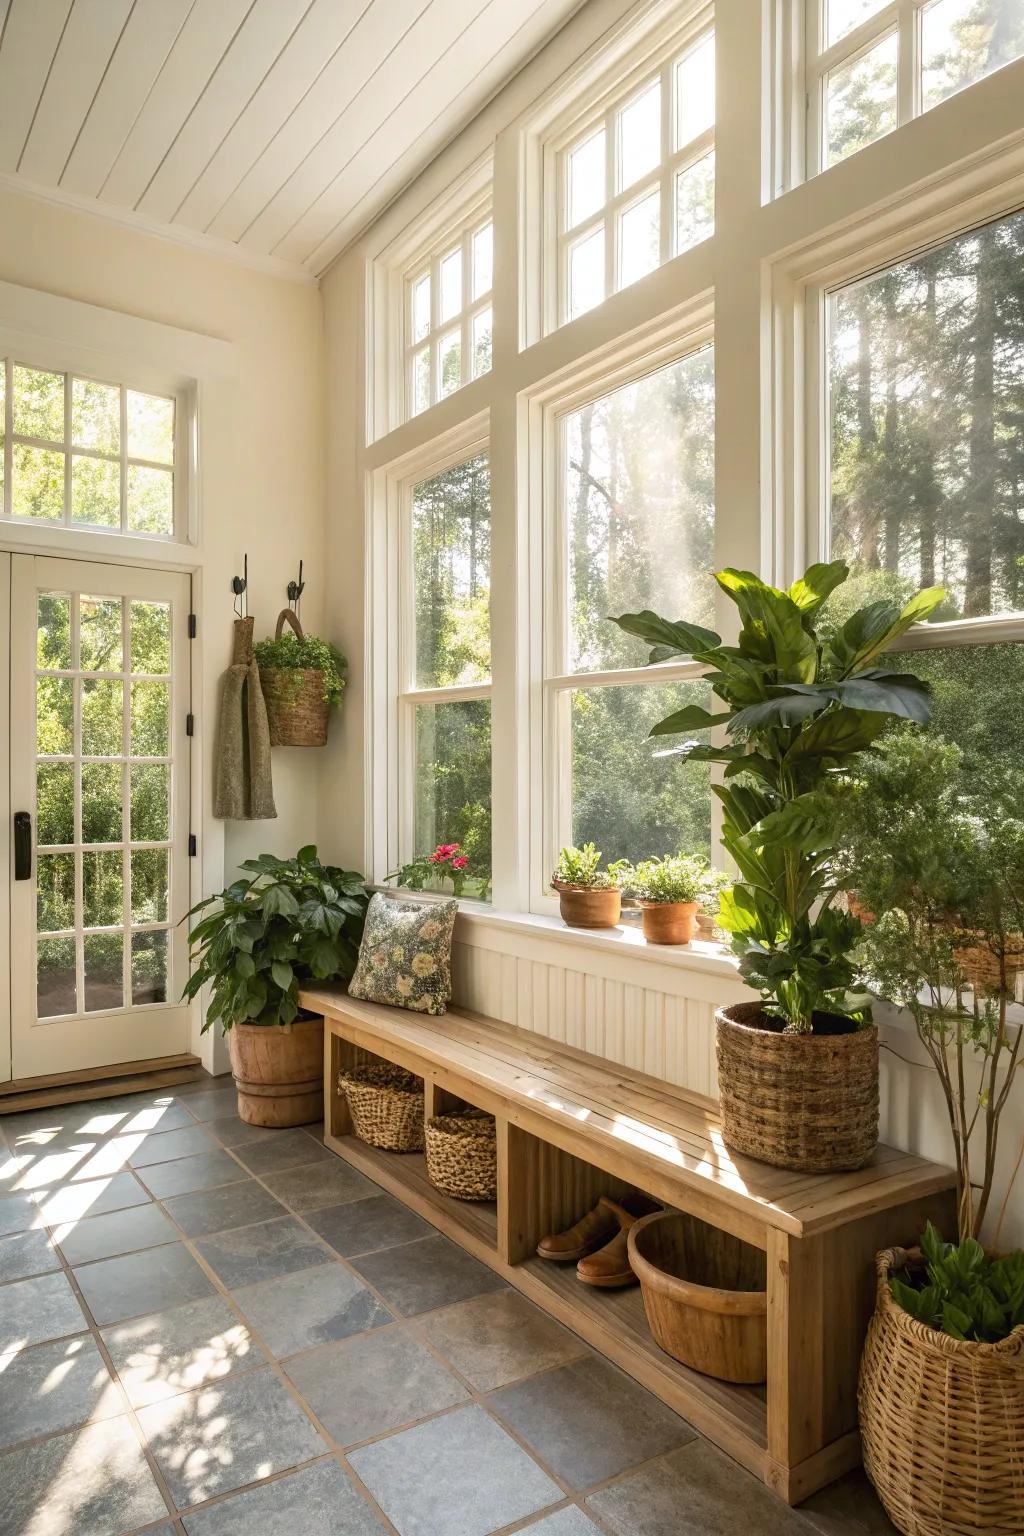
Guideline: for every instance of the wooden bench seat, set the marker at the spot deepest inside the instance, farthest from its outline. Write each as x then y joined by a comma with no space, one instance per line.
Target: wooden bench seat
572,1126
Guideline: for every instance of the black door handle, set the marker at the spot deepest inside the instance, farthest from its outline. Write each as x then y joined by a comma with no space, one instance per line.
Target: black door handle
22,845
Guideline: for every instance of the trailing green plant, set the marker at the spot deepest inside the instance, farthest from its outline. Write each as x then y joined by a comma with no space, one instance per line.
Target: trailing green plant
295,920
581,868
675,878
290,654
799,707
937,858
964,1293
447,865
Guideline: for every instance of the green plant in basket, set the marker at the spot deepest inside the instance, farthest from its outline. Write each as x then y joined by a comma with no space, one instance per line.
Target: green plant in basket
965,1292
287,653
294,920
799,706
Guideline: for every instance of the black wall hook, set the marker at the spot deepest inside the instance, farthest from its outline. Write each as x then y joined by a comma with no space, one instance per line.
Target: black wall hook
296,589
240,586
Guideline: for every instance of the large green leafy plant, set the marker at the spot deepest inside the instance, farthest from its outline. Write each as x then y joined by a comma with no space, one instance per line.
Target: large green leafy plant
800,704
293,921
965,1293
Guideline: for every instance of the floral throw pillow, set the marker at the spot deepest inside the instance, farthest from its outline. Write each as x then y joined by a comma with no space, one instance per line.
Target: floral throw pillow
405,955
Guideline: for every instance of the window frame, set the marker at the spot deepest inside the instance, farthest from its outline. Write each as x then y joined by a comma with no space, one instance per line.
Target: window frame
470,309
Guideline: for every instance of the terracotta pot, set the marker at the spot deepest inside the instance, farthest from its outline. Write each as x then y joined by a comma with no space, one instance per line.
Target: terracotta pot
585,907
705,1294
706,926
669,922
279,1072
808,1102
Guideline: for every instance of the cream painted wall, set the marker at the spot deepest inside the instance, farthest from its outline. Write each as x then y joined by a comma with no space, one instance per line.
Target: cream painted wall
261,438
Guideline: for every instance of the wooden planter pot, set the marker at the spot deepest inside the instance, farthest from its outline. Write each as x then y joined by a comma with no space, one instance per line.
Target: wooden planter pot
705,1294
808,1102
585,907
942,1422
279,1072
669,922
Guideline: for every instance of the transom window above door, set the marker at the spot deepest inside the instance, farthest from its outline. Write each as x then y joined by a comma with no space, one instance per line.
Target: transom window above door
86,453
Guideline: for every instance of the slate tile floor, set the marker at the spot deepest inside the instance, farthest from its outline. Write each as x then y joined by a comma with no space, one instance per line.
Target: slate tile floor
207,1330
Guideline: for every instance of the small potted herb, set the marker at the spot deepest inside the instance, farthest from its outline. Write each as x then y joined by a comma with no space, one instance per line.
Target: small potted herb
293,921
303,679
588,896
668,891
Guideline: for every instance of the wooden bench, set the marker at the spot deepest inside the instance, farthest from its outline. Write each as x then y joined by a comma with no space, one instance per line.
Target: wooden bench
572,1126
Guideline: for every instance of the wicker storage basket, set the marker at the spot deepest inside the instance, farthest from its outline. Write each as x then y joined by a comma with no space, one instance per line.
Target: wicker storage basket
808,1102
297,711
942,1422
462,1156
386,1105
982,968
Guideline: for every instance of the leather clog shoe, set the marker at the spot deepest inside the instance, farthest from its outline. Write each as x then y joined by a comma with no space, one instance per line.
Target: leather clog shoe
609,1266
592,1231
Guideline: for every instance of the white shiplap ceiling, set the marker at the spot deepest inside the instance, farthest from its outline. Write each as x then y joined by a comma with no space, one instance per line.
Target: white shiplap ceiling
277,129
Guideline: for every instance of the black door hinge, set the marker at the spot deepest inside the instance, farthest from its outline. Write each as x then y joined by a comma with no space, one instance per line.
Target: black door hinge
192,626
192,845
190,725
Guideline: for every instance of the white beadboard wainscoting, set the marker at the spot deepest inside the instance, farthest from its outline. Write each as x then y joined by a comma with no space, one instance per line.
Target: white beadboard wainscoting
611,996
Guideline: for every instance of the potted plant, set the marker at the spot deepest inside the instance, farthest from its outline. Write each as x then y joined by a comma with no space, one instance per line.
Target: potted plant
713,883
668,891
447,869
588,896
294,920
303,679
798,1071
935,852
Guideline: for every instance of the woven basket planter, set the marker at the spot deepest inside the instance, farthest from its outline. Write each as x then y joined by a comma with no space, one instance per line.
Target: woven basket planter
942,1422
297,711
386,1105
808,1102
462,1156
981,966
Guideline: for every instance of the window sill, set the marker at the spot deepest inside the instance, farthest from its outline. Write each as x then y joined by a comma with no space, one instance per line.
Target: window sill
475,922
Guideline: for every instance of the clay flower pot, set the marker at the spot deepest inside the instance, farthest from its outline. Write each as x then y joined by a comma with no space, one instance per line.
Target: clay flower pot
669,922
279,1072
587,906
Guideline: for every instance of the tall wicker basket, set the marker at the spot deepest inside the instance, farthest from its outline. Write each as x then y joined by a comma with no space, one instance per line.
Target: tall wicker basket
942,1422
808,1102
297,711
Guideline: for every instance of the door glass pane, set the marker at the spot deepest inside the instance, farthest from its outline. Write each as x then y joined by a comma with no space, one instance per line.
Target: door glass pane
587,187
627,801
102,889
151,719
453,783
964,40
55,715
586,274
37,483
149,968
150,802
695,203
638,508
695,92
55,977
96,415
150,427
102,723
151,637
55,804
860,101
95,492
150,500
640,239
451,538
53,639
926,363
55,892
640,136
100,634
104,970
38,404
101,802
150,885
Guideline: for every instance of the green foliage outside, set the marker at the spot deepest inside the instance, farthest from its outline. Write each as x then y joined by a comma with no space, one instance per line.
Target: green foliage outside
798,707
296,920
290,654
963,1292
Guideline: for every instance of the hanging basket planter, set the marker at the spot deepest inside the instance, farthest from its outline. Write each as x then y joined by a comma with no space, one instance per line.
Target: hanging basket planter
298,699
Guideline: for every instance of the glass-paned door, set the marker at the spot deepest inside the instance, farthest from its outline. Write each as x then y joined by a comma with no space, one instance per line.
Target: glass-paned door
100,691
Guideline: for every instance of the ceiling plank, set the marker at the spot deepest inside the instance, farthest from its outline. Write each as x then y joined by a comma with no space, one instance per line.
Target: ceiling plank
197,50
324,30
369,44
438,29
31,35
85,51
255,49
138,59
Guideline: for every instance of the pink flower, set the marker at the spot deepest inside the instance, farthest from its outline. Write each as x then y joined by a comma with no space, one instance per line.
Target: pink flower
438,856
443,852
460,862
